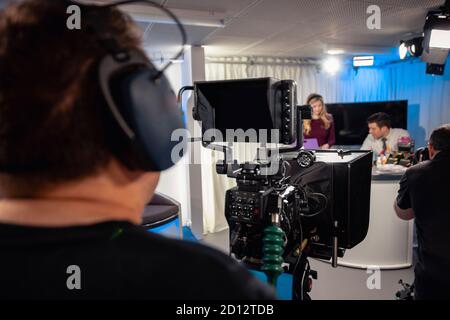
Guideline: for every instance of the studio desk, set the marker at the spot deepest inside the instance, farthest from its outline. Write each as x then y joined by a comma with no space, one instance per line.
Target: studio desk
389,241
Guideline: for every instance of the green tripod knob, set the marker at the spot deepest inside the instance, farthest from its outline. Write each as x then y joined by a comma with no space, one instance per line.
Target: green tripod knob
273,248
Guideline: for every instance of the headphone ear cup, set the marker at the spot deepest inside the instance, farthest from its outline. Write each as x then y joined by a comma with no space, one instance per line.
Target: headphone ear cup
144,109
154,115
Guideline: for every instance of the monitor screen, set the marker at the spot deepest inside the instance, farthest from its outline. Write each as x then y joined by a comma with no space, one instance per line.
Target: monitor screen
351,118
251,105
237,104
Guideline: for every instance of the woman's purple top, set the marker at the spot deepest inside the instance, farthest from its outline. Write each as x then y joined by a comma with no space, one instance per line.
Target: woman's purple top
322,135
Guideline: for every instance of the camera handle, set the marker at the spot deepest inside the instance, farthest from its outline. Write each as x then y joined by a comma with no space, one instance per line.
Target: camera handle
226,166
274,241
273,249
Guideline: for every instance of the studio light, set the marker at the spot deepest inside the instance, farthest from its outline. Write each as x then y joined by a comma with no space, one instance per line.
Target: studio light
332,65
440,39
363,61
436,43
411,48
415,48
402,50
335,51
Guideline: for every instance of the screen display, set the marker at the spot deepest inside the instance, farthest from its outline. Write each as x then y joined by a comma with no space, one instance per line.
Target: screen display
350,119
236,104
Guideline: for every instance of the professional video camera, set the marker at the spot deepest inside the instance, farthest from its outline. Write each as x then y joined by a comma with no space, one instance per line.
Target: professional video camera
289,204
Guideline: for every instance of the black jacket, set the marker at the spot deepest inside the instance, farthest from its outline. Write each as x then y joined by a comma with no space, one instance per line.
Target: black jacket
426,189
117,260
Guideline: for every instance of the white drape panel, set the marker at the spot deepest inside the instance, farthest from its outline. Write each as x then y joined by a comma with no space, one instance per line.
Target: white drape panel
428,96
305,74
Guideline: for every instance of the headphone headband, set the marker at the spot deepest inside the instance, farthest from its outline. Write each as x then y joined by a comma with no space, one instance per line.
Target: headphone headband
138,95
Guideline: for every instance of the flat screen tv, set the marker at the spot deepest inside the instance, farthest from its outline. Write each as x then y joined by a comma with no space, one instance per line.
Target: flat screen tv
351,118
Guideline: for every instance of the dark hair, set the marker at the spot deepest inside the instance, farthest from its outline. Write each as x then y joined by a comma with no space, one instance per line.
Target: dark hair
381,119
440,138
53,125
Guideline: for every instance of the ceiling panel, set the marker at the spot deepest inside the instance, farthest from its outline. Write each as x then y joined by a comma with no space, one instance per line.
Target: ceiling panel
170,32
228,6
303,28
288,10
406,3
252,28
310,27
235,42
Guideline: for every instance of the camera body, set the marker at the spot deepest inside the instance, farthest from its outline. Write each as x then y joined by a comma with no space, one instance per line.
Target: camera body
249,207
317,200
320,196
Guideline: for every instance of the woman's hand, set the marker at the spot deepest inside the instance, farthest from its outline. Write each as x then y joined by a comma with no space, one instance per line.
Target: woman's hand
325,146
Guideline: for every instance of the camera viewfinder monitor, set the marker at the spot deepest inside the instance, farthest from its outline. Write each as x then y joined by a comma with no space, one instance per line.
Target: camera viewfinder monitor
259,104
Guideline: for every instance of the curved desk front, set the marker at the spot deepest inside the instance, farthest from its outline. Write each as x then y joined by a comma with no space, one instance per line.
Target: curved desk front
389,241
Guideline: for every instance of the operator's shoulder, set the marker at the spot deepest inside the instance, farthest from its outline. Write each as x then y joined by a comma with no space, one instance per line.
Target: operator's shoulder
214,268
145,238
148,242
418,170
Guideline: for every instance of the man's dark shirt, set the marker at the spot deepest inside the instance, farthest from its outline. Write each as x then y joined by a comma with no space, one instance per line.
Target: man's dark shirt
426,189
117,260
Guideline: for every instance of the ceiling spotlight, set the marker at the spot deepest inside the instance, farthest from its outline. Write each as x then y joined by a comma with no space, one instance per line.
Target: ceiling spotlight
332,65
411,48
416,47
440,39
335,51
436,43
437,29
402,50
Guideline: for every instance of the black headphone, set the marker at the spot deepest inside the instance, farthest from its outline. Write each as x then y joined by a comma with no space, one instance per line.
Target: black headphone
139,97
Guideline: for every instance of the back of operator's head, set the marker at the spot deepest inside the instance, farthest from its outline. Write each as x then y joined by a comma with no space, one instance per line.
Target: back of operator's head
53,126
440,138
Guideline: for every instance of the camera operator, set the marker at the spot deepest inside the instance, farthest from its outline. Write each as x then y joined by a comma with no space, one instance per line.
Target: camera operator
77,206
424,195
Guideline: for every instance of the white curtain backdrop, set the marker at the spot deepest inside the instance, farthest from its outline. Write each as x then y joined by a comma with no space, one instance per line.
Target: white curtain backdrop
302,71
428,97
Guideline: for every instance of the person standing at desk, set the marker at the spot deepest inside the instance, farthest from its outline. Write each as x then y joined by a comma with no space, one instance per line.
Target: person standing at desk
321,126
382,138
